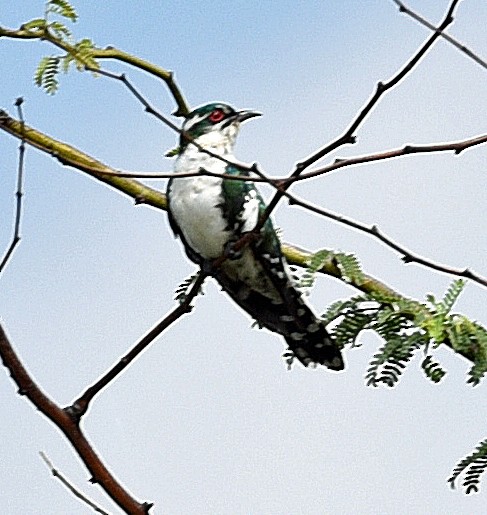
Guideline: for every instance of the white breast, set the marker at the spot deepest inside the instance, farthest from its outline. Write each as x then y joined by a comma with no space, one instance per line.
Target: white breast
195,204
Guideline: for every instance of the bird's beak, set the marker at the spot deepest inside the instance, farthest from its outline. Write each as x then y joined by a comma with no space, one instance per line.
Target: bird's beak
245,114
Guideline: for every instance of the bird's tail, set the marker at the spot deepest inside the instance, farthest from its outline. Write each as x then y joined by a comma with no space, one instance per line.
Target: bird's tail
311,344
306,336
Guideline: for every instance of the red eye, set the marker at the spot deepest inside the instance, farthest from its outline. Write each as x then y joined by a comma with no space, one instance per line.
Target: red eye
217,116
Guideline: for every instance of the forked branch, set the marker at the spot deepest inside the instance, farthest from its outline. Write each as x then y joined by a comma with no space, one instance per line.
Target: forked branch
71,429
80,405
348,137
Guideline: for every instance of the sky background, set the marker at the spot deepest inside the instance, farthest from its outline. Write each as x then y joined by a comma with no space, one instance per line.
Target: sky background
208,420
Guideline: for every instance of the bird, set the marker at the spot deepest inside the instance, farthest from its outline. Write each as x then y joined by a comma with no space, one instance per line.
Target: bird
210,213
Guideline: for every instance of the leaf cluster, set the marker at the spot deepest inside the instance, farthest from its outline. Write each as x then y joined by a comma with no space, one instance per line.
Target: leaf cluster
348,265
78,53
406,326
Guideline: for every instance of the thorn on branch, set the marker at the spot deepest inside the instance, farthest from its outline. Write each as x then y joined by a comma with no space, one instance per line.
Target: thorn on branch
140,199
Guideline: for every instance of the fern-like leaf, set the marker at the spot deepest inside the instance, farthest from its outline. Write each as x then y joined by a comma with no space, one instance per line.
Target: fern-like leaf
83,55
347,330
46,74
389,363
432,369
182,290
63,8
60,30
479,369
451,295
474,465
350,267
316,261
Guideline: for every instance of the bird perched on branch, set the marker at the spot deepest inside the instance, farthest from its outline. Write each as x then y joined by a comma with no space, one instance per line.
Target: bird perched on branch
210,214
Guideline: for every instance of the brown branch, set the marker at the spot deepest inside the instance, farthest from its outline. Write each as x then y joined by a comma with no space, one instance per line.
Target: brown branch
456,146
18,194
444,35
80,405
373,230
71,487
348,136
70,428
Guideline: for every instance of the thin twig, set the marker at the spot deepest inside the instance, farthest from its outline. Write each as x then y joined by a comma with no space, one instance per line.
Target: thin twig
460,46
456,146
71,487
80,405
150,109
151,197
71,429
20,179
373,230
348,137
109,52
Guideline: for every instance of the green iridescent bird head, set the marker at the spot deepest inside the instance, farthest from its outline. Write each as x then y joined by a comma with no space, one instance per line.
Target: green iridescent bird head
216,117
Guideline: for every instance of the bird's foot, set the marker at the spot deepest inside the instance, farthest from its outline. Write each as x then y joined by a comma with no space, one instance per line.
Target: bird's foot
230,252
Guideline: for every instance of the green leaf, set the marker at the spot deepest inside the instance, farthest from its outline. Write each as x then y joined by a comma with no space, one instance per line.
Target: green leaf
315,263
173,152
60,30
473,466
432,369
350,267
63,8
451,295
46,74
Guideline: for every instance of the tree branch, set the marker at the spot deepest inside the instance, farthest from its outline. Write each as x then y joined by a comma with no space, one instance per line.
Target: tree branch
79,407
444,35
373,230
106,53
70,428
348,136
455,146
71,487
142,194
18,195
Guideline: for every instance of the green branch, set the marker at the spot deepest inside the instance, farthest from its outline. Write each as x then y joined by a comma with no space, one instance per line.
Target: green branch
70,156
39,30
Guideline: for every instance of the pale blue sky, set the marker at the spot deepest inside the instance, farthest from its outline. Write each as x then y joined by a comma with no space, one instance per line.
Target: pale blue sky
208,420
